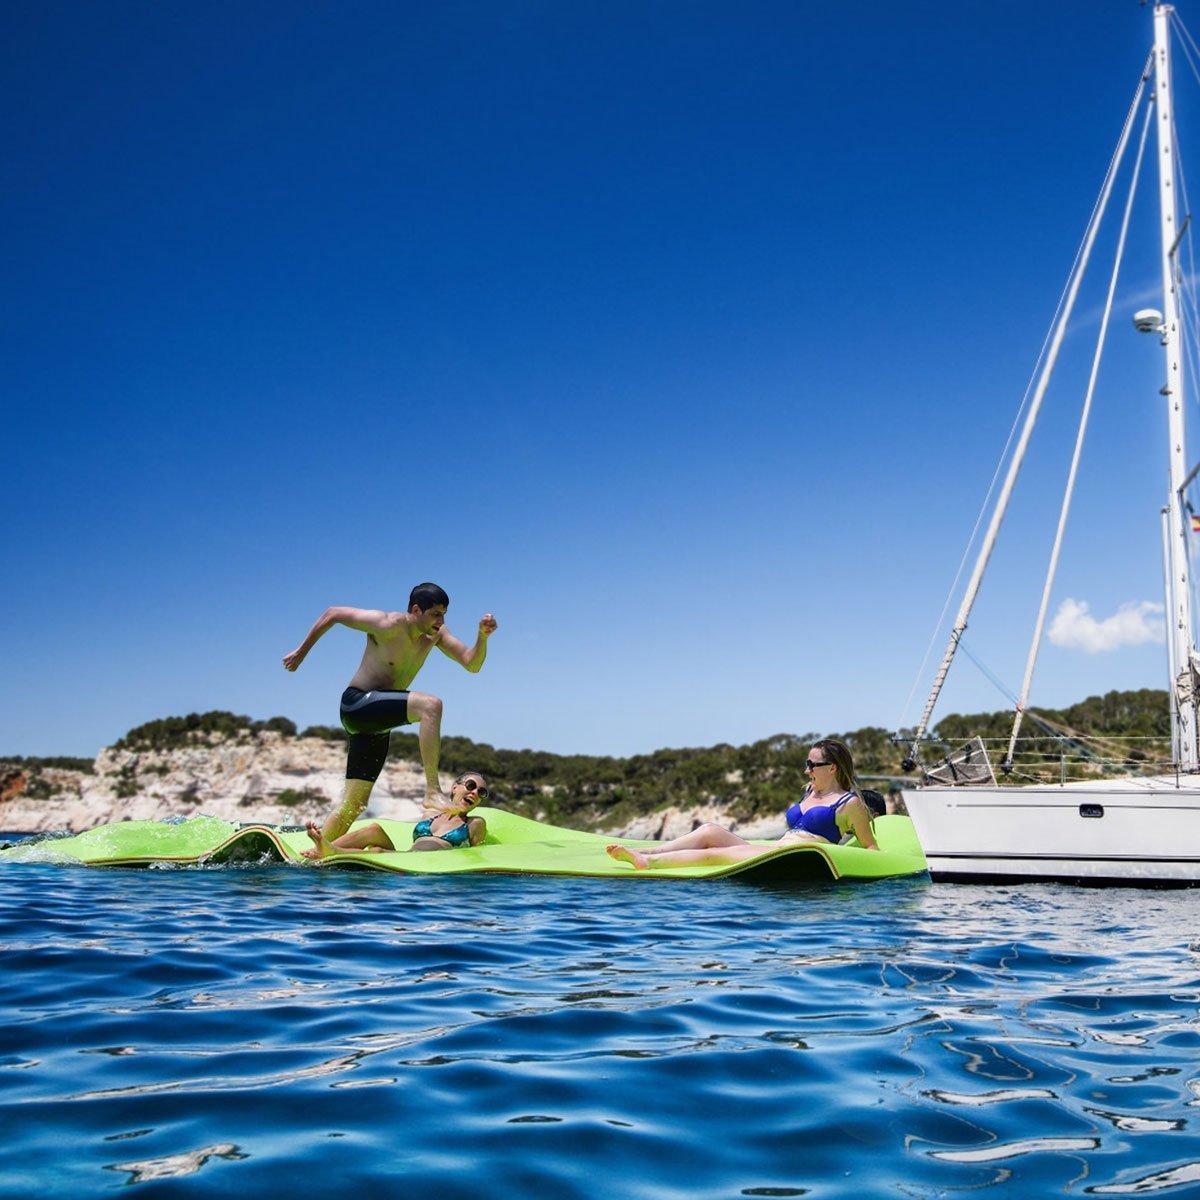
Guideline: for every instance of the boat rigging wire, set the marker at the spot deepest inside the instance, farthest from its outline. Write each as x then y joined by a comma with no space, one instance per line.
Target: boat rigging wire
1187,43
991,676
984,506
952,591
1072,474
1066,308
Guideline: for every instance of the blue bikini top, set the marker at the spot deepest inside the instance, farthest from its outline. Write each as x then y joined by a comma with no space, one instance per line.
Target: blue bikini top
821,819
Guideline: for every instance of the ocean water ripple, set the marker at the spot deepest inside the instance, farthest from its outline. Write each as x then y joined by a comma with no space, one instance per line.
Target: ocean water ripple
216,1032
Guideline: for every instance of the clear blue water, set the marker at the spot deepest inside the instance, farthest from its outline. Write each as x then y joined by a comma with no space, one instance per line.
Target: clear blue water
275,1031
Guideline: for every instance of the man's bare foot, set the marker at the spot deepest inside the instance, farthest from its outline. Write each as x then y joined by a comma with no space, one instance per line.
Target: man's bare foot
625,855
322,847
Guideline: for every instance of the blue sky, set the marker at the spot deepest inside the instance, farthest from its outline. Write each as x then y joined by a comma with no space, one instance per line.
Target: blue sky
682,337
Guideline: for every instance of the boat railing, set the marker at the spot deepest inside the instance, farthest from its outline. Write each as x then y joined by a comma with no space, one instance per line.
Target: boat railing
1042,759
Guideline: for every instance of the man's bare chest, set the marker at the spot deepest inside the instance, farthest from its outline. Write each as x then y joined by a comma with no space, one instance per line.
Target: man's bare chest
398,655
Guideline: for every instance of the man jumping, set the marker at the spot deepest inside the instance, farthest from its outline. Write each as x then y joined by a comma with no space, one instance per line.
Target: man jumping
378,700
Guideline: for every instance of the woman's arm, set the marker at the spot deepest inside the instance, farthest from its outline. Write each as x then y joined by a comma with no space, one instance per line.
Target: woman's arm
858,816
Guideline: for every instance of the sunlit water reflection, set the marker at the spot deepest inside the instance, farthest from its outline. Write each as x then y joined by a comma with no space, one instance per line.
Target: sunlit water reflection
260,1031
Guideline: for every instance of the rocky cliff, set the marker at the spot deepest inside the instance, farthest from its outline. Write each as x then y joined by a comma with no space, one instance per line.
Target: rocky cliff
262,776
257,776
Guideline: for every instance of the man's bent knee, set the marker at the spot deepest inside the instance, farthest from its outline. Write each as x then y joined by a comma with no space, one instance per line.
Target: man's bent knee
421,705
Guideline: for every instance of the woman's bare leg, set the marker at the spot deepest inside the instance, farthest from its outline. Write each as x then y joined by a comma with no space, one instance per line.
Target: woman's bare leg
369,837
702,857
635,858
706,844
704,837
322,847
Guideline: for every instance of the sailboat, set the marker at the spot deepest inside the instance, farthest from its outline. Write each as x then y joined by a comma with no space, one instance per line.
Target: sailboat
1099,824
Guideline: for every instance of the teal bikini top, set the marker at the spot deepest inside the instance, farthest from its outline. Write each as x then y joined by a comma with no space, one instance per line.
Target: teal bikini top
460,835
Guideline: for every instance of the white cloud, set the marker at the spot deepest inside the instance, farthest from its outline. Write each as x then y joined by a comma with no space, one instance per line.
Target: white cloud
1131,625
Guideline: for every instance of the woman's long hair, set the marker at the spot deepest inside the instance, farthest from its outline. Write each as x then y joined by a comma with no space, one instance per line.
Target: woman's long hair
839,754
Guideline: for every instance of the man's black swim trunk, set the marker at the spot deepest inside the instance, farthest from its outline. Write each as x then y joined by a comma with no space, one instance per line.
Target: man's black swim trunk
369,718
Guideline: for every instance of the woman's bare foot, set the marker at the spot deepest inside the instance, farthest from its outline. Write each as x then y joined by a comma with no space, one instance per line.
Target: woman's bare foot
322,847
625,855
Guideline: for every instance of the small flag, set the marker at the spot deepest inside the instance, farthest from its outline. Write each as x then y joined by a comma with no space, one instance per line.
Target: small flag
1196,522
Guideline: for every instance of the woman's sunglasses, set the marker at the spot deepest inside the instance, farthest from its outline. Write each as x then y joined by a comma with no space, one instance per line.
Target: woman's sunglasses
472,786
809,765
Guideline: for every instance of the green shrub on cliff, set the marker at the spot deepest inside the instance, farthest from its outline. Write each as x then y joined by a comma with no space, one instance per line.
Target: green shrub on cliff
326,733
172,733
61,763
309,797
758,779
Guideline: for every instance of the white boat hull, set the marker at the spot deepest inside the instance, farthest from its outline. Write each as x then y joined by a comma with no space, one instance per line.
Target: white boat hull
1144,833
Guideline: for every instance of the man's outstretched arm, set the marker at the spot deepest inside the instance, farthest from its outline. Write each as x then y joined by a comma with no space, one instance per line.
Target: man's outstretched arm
470,657
366,620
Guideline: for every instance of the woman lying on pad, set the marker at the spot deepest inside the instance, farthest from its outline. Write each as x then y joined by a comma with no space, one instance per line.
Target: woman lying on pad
441,829
830,809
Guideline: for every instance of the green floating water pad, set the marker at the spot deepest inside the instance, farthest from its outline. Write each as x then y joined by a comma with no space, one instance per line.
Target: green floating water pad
515,846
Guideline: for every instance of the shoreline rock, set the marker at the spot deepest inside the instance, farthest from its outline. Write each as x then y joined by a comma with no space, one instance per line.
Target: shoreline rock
260,776
675,822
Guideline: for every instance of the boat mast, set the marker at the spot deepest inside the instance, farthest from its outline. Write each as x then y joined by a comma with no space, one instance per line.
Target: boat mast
1179,593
